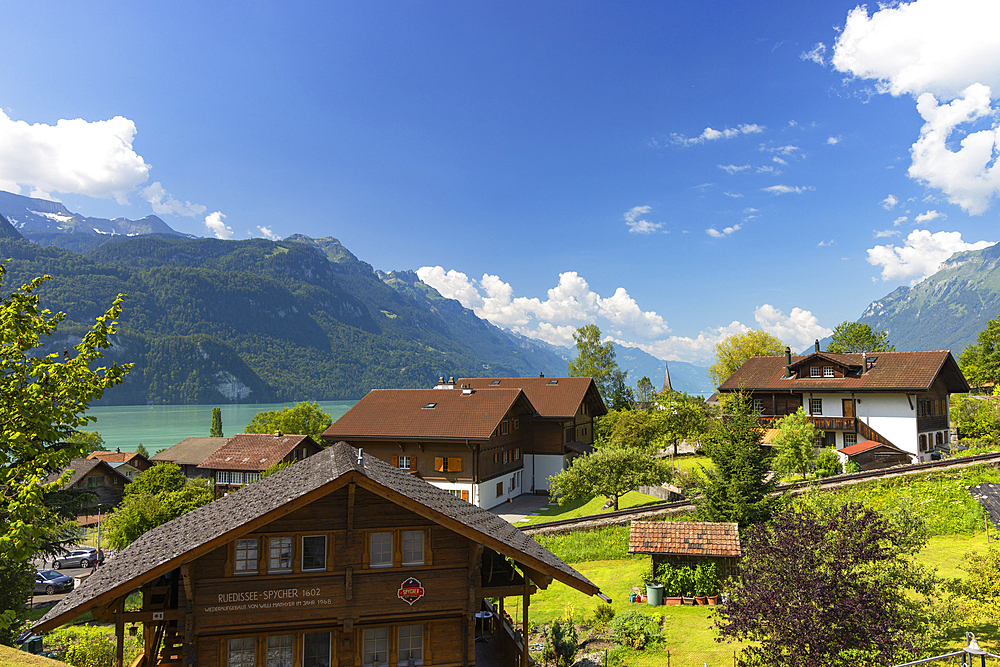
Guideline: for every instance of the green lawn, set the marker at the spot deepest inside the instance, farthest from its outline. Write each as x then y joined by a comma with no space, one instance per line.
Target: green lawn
691,462
11,657
578,508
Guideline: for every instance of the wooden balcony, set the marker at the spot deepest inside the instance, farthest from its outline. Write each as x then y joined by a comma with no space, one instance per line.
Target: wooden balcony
849,424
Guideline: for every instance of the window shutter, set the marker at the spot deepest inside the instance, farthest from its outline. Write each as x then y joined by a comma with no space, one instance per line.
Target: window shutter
413,463
428,656
439,464
454,465
395,461
465,496
428,552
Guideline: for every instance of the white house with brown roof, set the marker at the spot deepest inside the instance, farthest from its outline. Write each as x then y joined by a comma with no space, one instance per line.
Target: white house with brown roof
896,398
189,454
246,455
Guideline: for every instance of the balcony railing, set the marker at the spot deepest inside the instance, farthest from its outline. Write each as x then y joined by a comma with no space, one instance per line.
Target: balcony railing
850,424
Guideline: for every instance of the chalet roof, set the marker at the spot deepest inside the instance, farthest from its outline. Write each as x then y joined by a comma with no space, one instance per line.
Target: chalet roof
255,451
81,467
685,538
118,456
892,371
579,447
867,445
408,414
187,537
189,451
552,397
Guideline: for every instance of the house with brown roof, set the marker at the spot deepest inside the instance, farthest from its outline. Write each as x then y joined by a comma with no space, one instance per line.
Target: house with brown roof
871,455
246,455
189,453
688,543
130,464
341,559
96,477
895,398
562,426
466,441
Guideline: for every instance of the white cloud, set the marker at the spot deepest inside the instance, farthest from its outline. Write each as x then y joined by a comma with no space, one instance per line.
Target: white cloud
164,204
778,160
73,156
636,225
735,195
38,193
946,54
890,202
715,233
266,231
921,255
798,328
928,216
710,134
900,220
215,225
824,244
833,141
732,168
816,54
780,150
785,189
701,348
886,233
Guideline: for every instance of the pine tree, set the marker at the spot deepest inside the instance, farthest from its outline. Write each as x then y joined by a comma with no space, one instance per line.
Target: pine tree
216,431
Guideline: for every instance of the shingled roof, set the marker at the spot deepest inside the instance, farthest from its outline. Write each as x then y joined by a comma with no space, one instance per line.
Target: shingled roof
552,397
892,371
255,451
81,467
426,413
169,546
118,457
189,451
685,538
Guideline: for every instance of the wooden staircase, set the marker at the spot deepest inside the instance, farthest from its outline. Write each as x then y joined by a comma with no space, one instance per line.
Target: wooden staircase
170,651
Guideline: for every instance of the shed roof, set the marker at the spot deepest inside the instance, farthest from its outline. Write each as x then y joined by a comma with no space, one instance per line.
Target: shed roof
255,451
685,538
189,536
426,413
866,445
189,451
892,371
552,397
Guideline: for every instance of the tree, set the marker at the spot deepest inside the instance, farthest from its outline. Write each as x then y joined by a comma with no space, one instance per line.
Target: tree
141,450
90,441
645,392
795,443
216,431
43,401
982,584
641,429
597,360
737,487
305,418
620,396
610,472
977,418
826,588
683,417
980,361
859,337
157,496
733,351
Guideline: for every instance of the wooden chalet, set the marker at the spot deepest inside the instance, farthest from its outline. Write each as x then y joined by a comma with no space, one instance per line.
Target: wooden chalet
468,442
340,559
688,543
130,464
895,398
562,426
95,477
246,455
190,453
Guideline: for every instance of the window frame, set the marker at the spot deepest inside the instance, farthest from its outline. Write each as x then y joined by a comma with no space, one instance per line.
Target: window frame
758,406
237,560
815,372
243,651
850,435
371,551
403,662
267,648
330,657
828,372
499,489
813,404
423,547
504,427
302,555
364,647
270,554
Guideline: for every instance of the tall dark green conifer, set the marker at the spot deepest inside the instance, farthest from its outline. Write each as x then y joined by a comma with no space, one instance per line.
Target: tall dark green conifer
216,431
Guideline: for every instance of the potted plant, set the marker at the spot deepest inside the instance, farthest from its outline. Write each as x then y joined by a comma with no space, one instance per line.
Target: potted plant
670,578
700,585
687,585
712,583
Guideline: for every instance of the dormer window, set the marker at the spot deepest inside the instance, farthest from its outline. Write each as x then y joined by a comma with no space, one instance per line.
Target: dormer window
815,371
430,406
828,371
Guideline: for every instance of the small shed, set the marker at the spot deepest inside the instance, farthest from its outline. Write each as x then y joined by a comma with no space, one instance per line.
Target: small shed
688,543
871,455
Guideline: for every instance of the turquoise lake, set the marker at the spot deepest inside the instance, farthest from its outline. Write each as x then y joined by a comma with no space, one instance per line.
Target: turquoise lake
160,426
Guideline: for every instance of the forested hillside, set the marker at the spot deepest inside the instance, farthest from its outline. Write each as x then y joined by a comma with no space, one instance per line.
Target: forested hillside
256,321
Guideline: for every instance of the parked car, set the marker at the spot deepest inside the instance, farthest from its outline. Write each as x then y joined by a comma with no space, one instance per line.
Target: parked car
51,582
84,557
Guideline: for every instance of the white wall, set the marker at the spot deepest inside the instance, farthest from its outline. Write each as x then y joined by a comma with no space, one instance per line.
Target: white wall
487,491
543,466
455,486
891,415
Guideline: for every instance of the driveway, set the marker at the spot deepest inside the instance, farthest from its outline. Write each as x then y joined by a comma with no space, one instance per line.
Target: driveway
521,507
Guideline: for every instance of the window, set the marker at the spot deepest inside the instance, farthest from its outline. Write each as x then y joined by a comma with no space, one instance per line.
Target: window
375,648
506,457
314,552
464,495
280,556
940,439
403,462
923,443
499,489
279,651
510,486
411,645
504,427
242,652
583,408
430,406
850,439
814,371
381,550
95,481
221,477
246,557
413,547
447,464
517,423
517,453
316,649
815,406
553,381
828,371
251,477
758,405
495,382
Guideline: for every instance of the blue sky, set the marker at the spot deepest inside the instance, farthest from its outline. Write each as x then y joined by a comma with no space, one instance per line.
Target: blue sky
675,172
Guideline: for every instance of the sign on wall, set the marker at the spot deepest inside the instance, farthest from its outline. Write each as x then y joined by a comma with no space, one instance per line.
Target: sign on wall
410,591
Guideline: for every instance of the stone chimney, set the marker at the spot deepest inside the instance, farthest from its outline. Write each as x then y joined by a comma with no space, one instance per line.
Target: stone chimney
816,345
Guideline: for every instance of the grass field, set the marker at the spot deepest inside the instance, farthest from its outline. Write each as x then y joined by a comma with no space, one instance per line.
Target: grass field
578,508
11,657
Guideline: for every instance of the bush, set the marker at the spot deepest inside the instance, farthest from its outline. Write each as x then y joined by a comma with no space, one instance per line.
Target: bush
91,646
635,629
852,467
827,463
603,614
561,644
